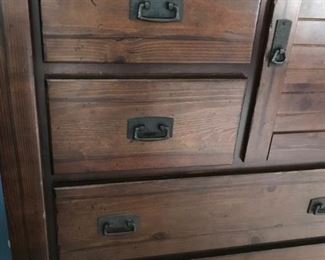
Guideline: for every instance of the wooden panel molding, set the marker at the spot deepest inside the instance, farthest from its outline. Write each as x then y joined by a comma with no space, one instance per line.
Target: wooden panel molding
270,88
289,120
21,168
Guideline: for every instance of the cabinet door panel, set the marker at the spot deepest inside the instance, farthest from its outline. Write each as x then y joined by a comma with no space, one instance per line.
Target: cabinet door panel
289,118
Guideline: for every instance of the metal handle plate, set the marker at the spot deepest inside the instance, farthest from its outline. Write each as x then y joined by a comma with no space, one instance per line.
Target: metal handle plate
150,129
118,225
278,54
317,206
159,11
140,134
170,6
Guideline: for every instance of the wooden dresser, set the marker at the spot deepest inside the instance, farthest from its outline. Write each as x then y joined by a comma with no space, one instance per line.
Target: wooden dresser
166,129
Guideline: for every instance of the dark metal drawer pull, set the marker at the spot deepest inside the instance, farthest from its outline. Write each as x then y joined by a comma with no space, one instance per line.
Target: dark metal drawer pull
278,55
150,129
170,6
317,206
158,11
118,225
140,134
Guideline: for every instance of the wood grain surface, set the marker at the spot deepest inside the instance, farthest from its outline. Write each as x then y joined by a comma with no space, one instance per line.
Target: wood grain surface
187,215
89,123
293,129
269,88
300,122
305,146
311,9
309,252
100,31
20,162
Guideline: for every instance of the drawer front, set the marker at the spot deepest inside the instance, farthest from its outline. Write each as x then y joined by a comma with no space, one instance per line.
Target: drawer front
89,123
308,252
187,215
210,31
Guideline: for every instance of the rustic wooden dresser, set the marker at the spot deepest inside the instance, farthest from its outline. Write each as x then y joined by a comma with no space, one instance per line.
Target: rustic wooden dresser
166,129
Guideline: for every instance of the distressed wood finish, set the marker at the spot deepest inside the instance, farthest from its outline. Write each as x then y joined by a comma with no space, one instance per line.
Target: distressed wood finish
306,146
9,169
270,88
308,77
89,123
308,57
299,133
301,109
309,252
310,32
311,9
187,215
20,164
284,129
301,103
102,69
100,31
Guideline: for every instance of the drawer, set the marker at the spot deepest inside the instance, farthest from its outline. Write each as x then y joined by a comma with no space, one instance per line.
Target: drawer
210,31
187,215
90,123
308,252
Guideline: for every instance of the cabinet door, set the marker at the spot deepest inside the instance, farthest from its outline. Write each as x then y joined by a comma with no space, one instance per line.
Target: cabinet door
289,118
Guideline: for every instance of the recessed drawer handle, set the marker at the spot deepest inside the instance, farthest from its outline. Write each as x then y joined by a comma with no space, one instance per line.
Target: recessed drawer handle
150,129
317,206
127,227
140,134
172,7
118,225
